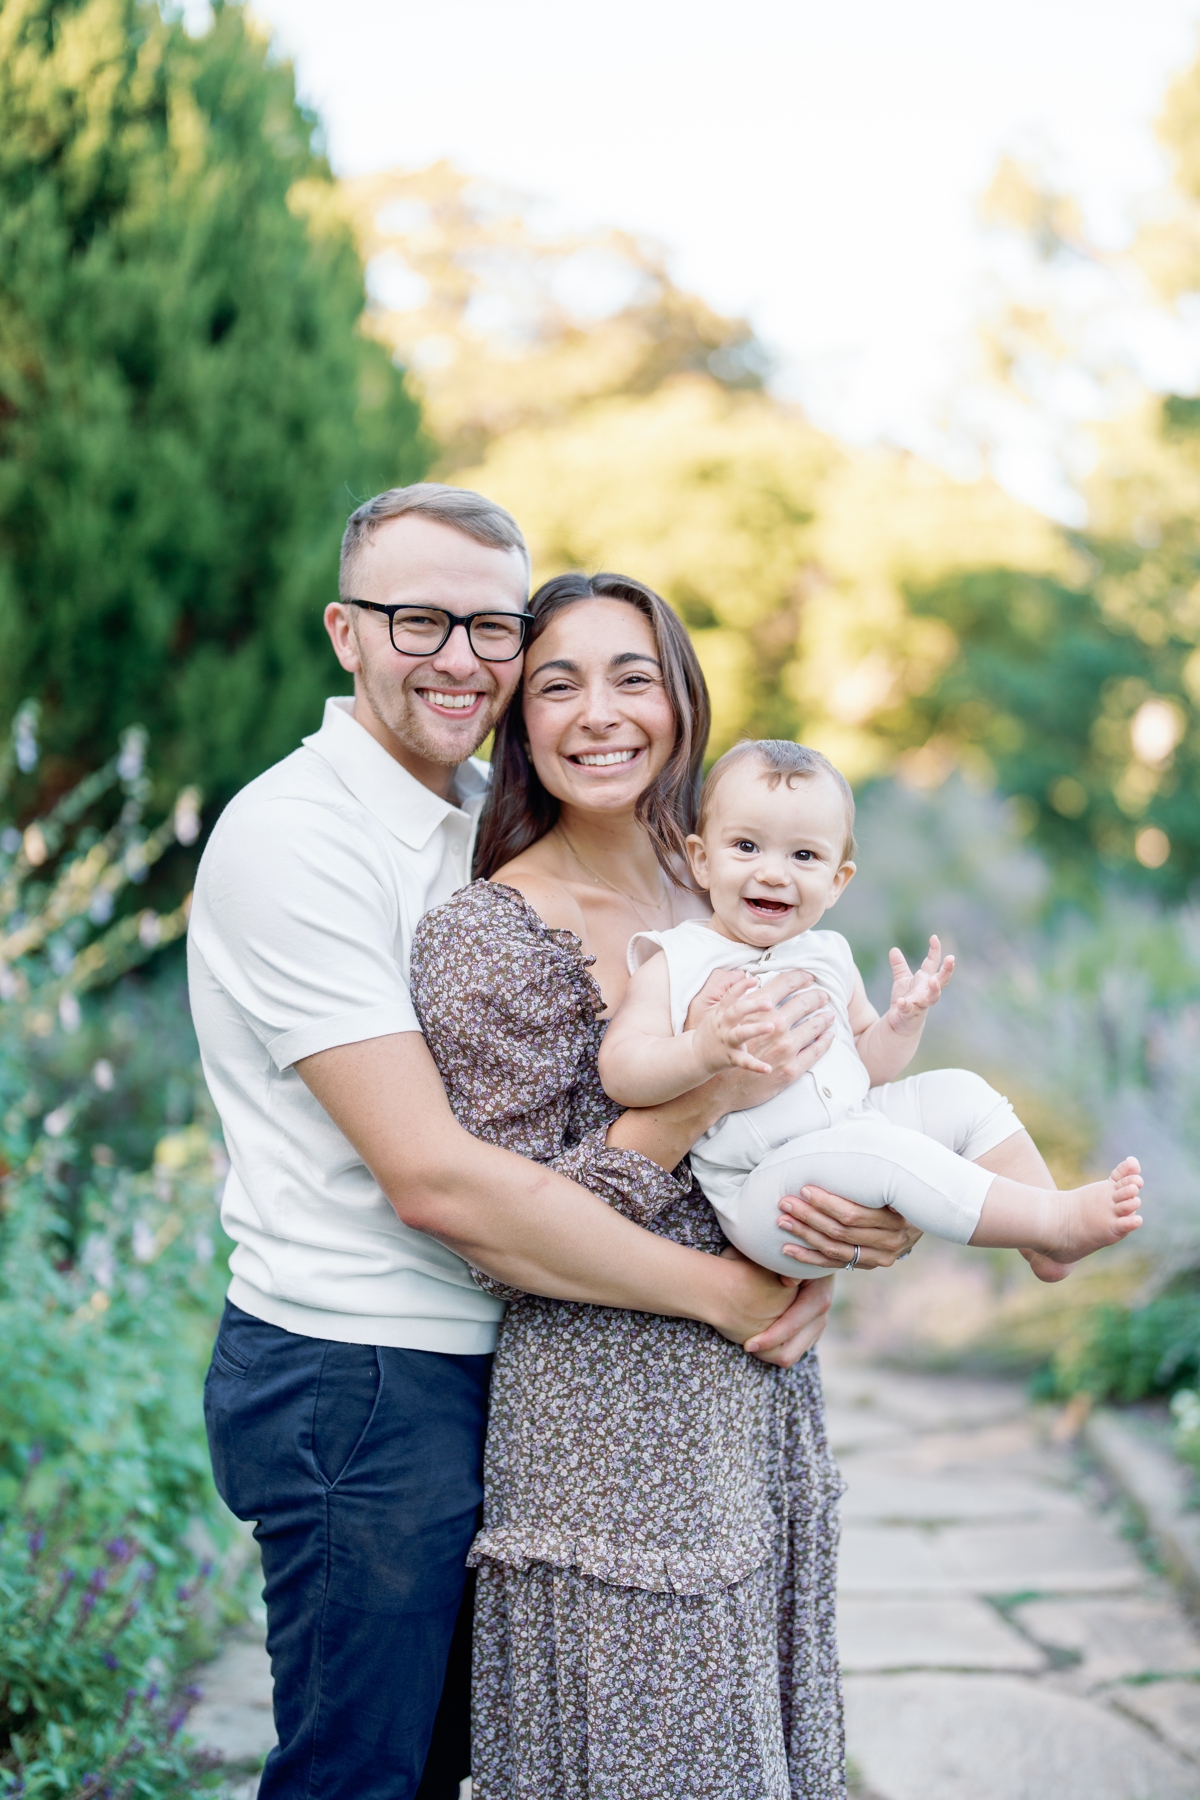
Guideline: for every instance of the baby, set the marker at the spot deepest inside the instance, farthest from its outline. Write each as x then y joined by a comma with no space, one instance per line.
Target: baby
772,849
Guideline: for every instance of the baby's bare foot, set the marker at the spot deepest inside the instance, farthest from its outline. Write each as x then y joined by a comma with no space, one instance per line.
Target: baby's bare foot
1095,1216
1045,1267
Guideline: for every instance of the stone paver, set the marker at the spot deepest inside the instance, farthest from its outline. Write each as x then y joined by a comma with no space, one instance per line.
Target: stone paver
233,1715
886,1632
999,1737
1000,1638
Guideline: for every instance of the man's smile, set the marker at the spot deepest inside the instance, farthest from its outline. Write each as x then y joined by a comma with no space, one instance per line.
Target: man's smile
451,700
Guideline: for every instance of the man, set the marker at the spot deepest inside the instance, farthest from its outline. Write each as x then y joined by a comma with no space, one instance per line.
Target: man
347,1393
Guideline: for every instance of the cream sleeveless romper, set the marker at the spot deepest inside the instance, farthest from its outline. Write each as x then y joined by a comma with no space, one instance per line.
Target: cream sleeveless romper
909,1144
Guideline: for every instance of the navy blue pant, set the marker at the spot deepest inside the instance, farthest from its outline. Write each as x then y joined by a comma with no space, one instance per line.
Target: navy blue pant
362,1468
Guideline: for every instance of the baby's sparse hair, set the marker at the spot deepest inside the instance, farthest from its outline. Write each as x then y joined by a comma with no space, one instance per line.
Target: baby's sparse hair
781,761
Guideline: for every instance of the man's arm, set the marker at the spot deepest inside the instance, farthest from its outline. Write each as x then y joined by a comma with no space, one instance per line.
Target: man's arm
526,1225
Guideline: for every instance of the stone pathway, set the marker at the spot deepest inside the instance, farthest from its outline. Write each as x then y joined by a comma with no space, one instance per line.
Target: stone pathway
1001,1638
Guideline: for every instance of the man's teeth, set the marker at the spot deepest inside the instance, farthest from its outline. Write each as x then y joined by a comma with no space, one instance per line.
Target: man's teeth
456,702
604,759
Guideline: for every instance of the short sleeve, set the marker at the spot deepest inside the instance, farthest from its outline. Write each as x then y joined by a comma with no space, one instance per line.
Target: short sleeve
842,958
296,915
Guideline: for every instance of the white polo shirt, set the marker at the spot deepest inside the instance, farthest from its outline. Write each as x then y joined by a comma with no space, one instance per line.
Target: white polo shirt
306,901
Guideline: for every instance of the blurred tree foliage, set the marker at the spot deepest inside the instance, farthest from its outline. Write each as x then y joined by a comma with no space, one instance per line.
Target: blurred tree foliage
895,617
187,406
627,426
1081,697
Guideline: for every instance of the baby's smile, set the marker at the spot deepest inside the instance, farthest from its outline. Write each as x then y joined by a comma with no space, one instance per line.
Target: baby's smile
767,909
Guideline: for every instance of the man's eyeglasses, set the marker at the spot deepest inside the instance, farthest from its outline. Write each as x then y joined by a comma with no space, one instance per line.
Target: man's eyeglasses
422,630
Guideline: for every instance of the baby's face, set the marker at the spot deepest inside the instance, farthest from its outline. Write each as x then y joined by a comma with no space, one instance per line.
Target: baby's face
771,858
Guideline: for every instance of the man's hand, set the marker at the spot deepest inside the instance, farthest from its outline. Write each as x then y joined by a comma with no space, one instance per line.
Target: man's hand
830,1229
914,991
786,1327
795,1331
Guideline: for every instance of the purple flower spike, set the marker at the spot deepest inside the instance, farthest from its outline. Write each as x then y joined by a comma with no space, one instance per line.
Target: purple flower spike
152,1693
36,1453
37,1542
110,1661
99,1581
120,1550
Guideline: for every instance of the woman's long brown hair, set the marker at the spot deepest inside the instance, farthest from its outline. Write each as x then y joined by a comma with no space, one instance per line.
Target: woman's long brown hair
519,811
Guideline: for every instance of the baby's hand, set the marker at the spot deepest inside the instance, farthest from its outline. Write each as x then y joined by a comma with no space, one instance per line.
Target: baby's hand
915,991
742,1013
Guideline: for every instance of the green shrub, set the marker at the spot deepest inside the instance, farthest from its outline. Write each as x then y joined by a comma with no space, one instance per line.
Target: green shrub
110,1284
1128,1353
188,409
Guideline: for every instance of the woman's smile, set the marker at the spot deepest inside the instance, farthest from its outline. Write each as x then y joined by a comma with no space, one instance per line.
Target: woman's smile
604,759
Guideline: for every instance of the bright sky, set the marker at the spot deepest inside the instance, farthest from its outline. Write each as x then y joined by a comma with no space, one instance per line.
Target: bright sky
812,165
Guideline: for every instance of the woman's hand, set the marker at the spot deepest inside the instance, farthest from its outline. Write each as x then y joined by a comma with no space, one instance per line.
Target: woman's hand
727,1025
830,1229
785,1328
804,1032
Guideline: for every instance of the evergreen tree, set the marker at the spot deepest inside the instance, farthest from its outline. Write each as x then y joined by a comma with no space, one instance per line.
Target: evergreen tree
188,409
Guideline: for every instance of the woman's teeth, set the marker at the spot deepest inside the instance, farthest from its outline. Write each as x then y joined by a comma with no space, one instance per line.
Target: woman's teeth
454,702
605,759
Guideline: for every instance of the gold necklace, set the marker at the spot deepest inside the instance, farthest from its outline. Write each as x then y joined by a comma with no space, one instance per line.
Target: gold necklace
604,881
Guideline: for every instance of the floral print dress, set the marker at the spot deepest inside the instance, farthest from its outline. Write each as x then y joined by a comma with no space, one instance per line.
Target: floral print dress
655,1604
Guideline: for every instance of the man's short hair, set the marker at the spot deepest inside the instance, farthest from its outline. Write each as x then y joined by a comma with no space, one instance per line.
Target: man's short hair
473,514
780,761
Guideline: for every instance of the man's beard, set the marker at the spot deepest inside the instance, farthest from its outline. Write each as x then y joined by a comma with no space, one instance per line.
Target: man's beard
403,714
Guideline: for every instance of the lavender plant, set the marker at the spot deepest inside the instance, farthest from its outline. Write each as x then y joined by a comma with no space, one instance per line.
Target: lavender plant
1090,1021
109,1284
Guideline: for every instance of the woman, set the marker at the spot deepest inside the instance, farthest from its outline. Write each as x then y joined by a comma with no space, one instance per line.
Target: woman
654,1613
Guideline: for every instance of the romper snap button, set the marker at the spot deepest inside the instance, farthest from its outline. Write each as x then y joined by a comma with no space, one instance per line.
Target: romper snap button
828,1093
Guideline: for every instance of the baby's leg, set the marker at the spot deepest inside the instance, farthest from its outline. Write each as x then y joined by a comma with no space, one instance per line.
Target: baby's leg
877,1164
957,1108
1062,1226
862,1159
1019,1158
960,1110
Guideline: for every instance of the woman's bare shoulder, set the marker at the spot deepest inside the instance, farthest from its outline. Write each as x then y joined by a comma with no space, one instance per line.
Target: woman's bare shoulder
548,893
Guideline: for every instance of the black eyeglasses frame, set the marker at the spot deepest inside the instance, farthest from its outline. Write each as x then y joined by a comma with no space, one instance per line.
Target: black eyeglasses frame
525,619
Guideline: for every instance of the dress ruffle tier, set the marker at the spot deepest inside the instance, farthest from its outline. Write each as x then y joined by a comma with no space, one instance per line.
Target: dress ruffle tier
655,1608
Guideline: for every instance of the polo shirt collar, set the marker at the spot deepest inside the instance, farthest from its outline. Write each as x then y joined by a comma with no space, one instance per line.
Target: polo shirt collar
408,809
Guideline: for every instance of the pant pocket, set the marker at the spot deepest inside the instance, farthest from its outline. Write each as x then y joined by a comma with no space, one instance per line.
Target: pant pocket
347,1390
